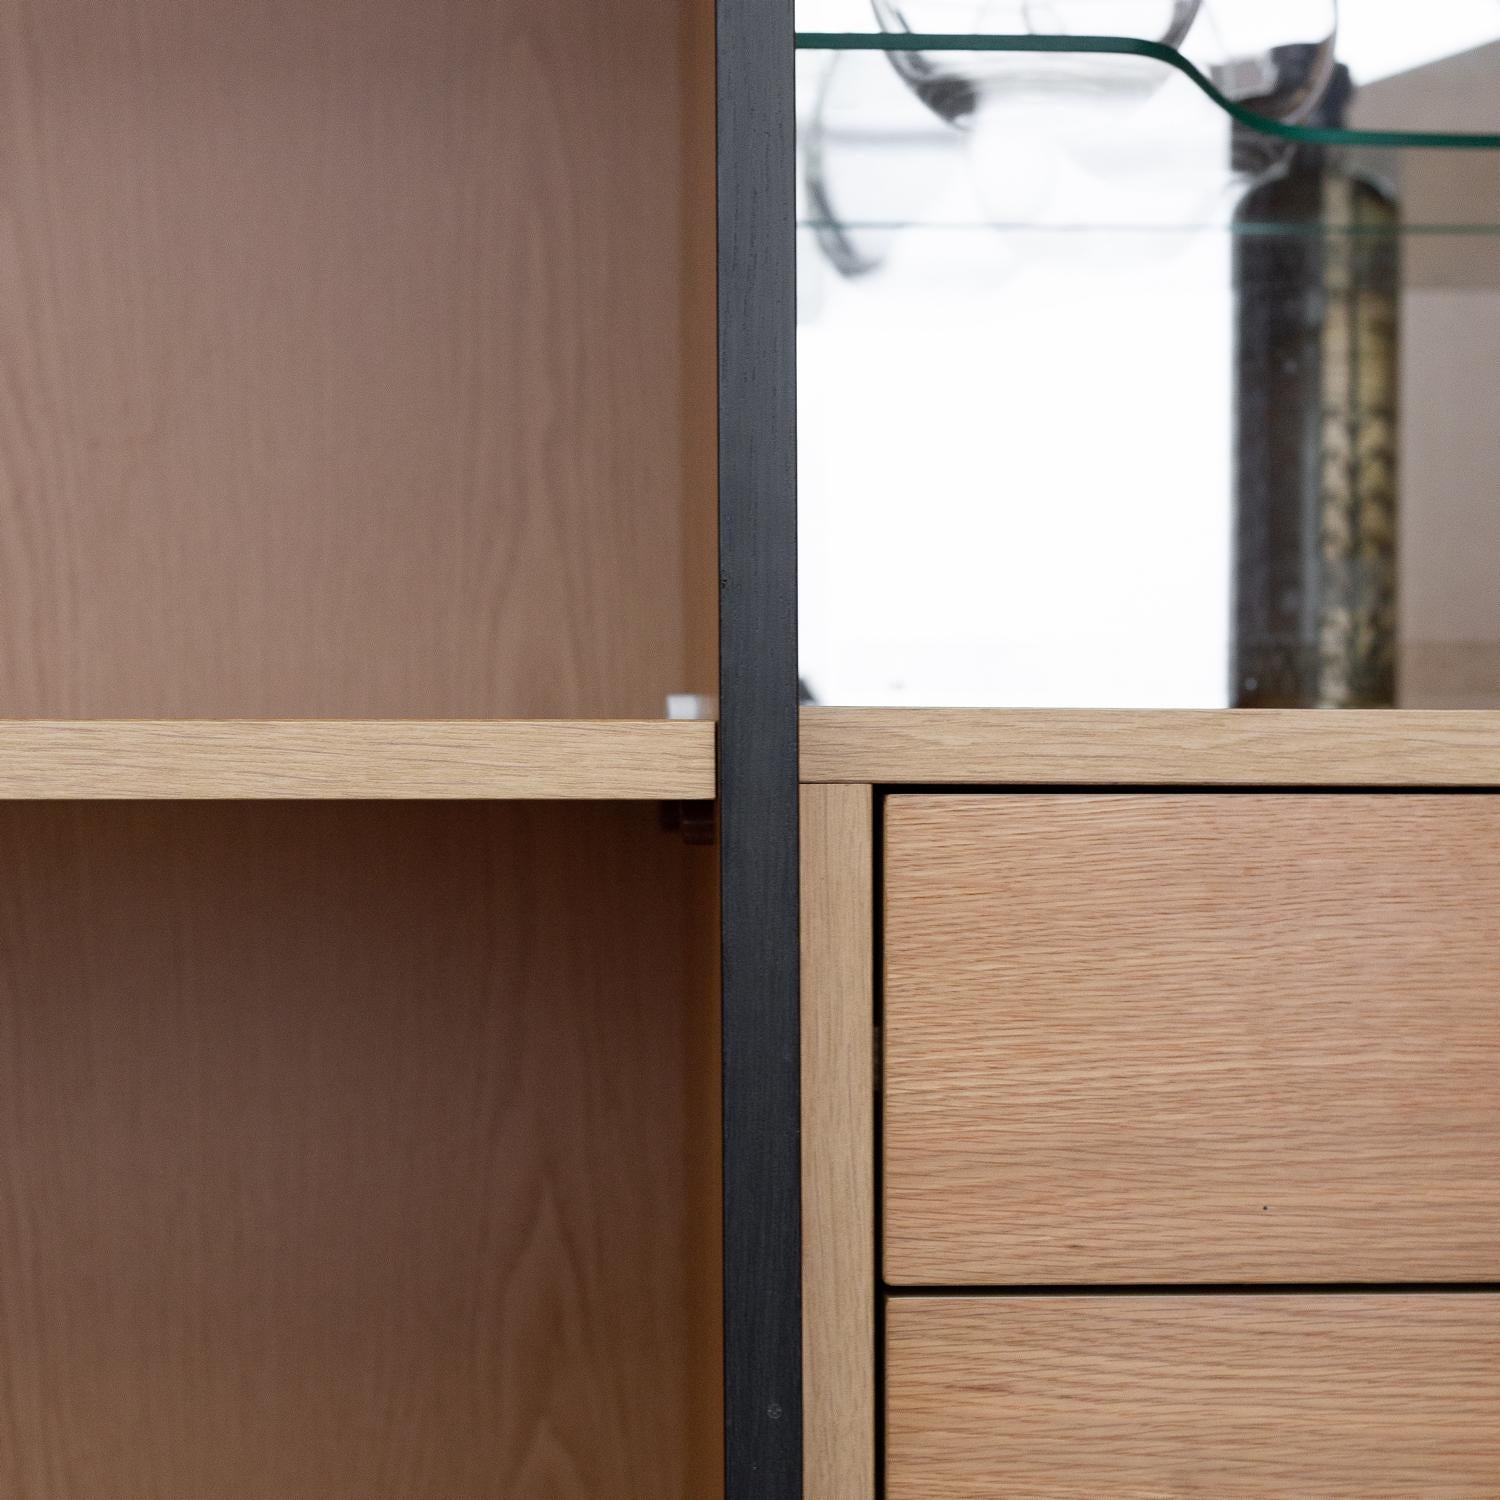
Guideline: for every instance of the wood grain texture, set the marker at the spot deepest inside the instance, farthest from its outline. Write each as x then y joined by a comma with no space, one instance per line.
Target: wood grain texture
1142,1038
354,1152
1235,747
409,759
342,360
1239,1398
838,1144
697,292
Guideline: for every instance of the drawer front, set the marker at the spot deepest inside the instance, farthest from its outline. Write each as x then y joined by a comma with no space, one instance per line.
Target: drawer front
1212,1038
1376,1397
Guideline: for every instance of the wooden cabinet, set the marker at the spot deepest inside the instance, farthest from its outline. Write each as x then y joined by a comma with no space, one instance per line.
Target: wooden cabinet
1183,1172
359,1109
354,1151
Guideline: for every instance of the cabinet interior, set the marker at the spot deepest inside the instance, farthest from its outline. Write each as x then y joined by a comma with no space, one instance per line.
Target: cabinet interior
358,363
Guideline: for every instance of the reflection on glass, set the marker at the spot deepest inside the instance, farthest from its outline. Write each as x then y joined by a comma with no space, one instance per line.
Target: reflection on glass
1274,56
1099,396
873,158
1376,39
955,85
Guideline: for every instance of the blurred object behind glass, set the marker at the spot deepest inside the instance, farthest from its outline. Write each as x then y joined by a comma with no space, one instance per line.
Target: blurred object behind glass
1100,399
1317,282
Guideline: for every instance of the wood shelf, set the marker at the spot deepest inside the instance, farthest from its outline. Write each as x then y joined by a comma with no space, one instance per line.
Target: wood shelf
400,759
1231,747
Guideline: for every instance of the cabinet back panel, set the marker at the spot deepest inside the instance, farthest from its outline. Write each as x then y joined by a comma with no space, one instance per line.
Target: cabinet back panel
341,359
355,1152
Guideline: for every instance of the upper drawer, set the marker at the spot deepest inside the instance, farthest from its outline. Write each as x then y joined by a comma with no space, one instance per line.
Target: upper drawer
1158,1038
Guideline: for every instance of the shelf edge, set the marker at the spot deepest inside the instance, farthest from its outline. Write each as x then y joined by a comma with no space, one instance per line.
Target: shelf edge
337,759
1098,747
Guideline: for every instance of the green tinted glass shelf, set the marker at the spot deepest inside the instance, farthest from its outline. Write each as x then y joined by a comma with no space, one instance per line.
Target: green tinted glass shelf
1240,230
1114,46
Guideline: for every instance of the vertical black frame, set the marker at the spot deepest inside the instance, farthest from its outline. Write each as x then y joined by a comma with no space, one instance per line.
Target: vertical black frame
758,779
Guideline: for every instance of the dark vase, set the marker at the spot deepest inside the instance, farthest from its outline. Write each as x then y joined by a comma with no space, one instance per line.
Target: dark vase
1317,284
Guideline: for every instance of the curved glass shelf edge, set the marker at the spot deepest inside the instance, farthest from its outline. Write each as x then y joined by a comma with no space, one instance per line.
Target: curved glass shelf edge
1239,230
1115,46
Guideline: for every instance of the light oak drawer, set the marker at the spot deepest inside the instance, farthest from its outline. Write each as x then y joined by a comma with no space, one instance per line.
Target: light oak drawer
1211,1038
1377,1397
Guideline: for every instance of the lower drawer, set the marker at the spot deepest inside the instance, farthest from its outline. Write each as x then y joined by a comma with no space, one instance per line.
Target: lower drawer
1370,1395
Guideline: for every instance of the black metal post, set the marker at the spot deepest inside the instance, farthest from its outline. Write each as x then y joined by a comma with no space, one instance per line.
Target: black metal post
758,752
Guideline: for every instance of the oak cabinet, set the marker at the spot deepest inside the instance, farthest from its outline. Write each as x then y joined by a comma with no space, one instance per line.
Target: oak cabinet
1151,1137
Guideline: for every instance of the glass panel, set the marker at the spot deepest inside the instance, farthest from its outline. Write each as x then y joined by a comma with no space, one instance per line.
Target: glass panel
1272,58
1111,398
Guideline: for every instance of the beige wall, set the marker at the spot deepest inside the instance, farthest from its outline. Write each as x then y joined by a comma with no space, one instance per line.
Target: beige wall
1450,441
